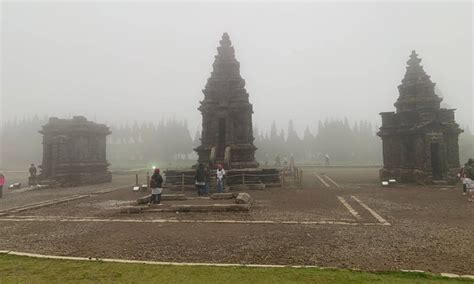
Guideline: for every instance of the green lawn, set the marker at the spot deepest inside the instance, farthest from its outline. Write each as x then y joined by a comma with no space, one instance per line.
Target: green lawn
19,269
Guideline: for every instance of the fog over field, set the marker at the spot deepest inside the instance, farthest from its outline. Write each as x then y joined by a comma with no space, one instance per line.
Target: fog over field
120,62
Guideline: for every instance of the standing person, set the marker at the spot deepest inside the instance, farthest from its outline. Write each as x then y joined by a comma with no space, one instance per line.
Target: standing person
326,158
207,174
467,175
277,160
462,178
292,163
32,178
285,161
200,178
156,184
220,178
2,183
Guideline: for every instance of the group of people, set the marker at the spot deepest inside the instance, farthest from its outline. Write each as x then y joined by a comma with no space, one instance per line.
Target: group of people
285,164
466,174
203,179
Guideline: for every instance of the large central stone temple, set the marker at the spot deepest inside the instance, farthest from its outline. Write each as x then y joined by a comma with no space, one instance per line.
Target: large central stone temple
420,139
227,135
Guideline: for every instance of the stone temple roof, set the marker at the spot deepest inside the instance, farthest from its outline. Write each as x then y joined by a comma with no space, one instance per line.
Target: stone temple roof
76,124
417,90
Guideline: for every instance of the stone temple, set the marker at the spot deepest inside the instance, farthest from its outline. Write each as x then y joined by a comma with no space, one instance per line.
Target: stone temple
420,139
227,135
74,152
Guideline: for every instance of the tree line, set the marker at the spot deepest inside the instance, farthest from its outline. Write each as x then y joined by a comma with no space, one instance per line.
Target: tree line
170,141
336,138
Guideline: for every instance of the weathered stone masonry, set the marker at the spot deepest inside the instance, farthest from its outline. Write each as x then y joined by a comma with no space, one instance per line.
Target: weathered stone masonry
420,139
74,152
227,135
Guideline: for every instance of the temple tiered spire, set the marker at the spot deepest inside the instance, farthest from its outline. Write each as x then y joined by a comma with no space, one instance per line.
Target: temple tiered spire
225,41
415,73
417,89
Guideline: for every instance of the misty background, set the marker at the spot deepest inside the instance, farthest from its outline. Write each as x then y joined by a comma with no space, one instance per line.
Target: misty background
127,64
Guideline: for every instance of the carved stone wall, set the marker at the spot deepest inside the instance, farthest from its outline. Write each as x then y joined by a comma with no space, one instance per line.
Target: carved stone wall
74,152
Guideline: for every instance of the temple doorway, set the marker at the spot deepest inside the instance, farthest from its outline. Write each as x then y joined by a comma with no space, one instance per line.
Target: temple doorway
436,166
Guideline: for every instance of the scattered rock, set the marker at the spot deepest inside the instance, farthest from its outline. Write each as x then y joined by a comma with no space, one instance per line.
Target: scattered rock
243,198
144,200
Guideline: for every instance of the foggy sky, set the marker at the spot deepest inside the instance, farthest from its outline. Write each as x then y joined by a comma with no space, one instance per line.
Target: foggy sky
124,62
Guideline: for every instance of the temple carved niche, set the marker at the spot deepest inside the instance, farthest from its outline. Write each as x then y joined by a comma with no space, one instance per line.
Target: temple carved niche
420,139
227,135
74,152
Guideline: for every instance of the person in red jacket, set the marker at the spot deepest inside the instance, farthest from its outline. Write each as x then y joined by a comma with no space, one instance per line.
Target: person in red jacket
2,183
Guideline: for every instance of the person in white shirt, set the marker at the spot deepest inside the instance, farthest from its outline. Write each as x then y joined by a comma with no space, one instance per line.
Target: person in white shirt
220,178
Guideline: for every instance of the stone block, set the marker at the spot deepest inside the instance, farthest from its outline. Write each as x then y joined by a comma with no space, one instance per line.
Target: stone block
144,200
225,195
211,208
244,198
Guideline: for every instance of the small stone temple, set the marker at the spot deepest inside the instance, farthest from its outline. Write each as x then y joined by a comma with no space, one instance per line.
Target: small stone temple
420,139
74,152
227,135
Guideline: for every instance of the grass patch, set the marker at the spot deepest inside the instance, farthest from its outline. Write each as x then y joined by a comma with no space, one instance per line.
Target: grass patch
20,269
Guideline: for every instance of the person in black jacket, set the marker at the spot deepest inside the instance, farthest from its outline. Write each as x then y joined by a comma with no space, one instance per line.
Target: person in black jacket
200,178
156,184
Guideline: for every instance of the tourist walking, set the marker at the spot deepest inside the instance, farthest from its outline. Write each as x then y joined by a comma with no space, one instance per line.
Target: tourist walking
2,183
200,178
156,184
220,178
32,177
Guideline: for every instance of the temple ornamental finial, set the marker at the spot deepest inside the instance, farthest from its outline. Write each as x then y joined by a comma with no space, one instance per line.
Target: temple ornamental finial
225,41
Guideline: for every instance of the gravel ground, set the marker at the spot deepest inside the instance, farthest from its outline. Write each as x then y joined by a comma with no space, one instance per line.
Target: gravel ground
431,229
15,198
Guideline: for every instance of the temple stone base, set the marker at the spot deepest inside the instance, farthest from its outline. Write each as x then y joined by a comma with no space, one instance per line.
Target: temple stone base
252,176
71,180
415,176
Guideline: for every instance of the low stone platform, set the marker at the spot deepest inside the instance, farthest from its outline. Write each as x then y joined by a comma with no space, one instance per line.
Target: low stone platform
201,208
243,202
